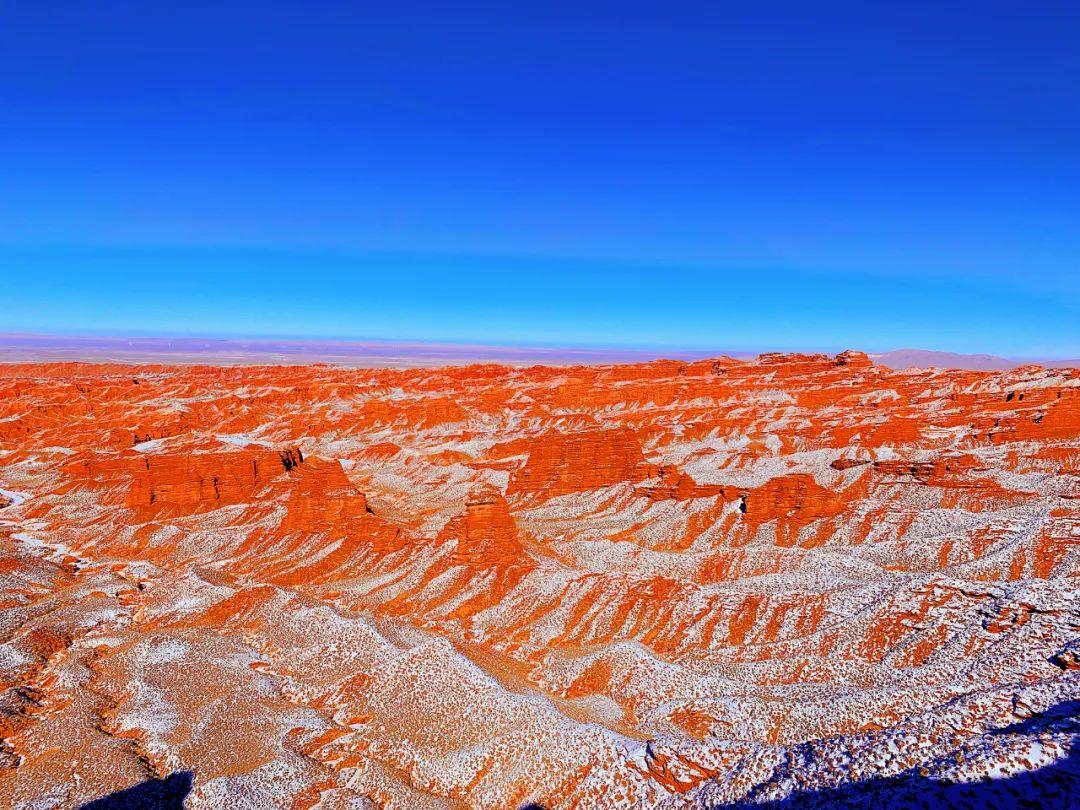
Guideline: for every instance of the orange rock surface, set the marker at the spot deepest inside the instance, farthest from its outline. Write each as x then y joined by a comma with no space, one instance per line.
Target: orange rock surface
659,585
562,463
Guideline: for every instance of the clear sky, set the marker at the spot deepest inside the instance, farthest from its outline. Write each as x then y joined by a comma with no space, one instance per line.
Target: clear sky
662,174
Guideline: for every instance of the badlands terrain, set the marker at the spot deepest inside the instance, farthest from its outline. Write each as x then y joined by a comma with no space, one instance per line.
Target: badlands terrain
789,581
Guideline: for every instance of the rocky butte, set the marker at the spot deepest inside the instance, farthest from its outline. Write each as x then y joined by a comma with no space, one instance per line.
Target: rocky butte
672,584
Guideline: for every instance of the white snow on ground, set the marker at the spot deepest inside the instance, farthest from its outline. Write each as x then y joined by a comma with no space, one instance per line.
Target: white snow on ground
16,497
241,439
58,550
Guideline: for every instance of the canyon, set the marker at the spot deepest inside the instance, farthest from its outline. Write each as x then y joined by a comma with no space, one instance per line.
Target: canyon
674,584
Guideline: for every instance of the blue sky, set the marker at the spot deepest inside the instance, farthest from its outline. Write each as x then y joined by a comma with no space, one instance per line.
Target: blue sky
684,175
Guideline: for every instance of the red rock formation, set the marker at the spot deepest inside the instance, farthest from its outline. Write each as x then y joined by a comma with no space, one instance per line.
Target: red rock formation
322,498
563,463
848,463
793,501
853,359
486,586
485,533
183,483
673,484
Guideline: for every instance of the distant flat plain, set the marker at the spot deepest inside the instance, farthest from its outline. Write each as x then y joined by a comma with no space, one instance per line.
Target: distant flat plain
43,348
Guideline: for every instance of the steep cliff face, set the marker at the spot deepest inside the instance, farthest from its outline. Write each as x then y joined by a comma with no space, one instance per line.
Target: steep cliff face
563,463
185,483
485,533
322,498
661,585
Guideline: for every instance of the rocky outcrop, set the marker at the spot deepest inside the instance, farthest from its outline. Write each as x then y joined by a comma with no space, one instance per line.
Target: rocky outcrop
853,359
673,484
564,463
185,483
848,463
485,534
792,502
321,498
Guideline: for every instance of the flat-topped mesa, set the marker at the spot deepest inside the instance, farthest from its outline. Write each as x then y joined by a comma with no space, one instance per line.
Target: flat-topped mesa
329,532
564,463
654,370
853,359
793,364
784,366
792,358
186,483
485,532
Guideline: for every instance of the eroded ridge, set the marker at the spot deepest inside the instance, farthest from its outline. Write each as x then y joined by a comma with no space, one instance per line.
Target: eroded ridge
661,585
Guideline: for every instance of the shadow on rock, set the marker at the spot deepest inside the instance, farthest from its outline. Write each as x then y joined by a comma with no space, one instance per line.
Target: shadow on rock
154,794
1054,786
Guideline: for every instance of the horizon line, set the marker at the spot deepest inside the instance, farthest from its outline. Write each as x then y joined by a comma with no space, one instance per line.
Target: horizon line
445,350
